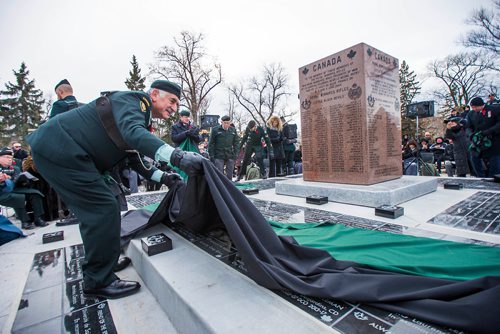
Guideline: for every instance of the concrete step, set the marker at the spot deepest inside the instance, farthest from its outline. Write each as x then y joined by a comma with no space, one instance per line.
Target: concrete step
201,294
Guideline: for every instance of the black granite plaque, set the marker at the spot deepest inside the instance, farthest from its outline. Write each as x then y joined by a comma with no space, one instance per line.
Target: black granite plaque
453,185
185,232
217,248
389,211
155,244
47,270
327,311
75,299
68,221
317,199
250,191
73,270
358,321
93,319
53,236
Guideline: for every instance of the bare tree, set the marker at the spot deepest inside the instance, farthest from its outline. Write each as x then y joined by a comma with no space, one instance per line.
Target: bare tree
463,75
486,34
264,96
185,63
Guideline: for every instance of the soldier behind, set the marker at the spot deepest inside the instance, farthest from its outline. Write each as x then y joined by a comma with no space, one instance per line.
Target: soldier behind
185,129
253,137
223,146
484,121
72,150
66,101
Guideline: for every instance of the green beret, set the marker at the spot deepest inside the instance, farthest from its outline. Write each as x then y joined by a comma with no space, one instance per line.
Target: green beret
167,86
5,151
225,118
62,82
185,113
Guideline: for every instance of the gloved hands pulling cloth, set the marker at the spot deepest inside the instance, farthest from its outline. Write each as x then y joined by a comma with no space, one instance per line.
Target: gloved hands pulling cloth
189,162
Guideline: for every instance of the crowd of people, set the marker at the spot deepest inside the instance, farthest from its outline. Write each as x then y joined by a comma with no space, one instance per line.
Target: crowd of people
470,145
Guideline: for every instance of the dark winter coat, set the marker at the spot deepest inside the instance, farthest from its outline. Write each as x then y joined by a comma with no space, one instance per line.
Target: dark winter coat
181,131
460,147
276,138
488,122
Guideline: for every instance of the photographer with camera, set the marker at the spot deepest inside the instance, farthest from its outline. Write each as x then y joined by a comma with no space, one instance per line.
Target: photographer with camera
74,149
484,122
16,193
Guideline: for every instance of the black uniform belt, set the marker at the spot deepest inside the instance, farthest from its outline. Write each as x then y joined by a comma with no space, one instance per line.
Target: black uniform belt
105,112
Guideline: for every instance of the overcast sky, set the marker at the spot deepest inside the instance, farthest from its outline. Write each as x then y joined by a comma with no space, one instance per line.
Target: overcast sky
91,42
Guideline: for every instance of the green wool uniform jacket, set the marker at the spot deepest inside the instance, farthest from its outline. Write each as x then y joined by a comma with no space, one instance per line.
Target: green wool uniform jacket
78,135
60,106
223,144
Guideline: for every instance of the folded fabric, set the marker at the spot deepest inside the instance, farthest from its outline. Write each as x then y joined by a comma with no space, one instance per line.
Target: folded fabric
278,262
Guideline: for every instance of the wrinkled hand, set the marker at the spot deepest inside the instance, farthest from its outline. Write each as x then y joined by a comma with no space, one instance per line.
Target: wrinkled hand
189,162
169,179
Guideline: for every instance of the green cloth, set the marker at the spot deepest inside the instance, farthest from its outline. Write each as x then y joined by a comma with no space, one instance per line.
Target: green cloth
397,253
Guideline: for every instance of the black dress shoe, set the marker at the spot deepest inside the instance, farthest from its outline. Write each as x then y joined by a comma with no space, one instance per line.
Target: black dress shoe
40,222
27,226
116,289
122,263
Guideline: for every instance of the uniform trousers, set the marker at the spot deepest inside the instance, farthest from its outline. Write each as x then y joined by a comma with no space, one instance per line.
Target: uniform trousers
86,194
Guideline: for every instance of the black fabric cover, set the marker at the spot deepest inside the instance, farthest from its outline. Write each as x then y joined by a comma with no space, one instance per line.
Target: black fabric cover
209,200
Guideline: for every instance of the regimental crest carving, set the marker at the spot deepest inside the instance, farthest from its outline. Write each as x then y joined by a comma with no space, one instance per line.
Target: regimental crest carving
371,101
351,54
305,70
397,105
369,52
360,315
354,92
306,104
326,318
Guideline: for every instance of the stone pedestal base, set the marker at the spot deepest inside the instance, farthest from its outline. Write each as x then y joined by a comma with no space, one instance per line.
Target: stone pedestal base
390,192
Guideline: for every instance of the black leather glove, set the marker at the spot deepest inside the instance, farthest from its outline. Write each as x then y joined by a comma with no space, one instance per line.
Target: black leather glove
169,179
188,162
194,133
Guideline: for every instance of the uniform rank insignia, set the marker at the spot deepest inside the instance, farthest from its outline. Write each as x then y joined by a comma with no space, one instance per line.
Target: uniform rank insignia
143,106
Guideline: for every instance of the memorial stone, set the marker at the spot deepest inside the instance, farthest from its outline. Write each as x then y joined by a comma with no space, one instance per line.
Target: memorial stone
350,115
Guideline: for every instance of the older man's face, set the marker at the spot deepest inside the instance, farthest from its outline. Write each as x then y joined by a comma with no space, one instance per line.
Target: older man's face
5,160
165,104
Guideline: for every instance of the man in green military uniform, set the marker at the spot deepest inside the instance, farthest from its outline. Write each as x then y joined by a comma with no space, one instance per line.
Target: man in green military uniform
71,152
223,146
65,99
253,137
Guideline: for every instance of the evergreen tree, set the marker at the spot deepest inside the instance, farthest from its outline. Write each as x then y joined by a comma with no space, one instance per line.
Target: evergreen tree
135,81
410,88
21,107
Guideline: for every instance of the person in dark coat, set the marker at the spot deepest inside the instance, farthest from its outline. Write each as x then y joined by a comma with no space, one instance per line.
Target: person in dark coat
223,146
19,153
74,149
289,140
275,133
65,99
184,128
456,132
252,140
484,122
16,195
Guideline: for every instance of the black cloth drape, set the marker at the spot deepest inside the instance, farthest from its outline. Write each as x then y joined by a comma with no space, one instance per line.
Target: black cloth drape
211,200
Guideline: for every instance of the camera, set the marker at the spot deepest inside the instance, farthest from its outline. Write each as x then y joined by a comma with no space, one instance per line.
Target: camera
7,171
